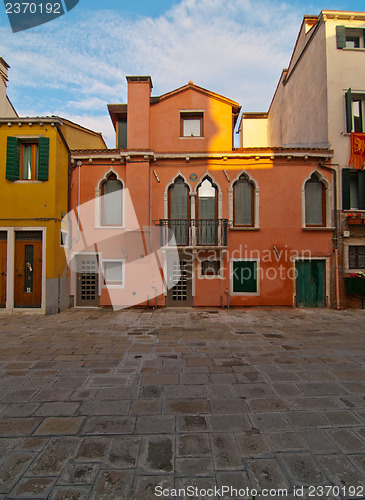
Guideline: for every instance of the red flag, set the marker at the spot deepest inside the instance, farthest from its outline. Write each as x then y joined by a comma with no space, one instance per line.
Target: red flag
357,150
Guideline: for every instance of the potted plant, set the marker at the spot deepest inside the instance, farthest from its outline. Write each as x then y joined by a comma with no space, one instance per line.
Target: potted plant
355,218
355,284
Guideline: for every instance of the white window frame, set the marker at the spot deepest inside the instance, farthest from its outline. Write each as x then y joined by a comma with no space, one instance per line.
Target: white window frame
116,284
352,243
258,275
98,201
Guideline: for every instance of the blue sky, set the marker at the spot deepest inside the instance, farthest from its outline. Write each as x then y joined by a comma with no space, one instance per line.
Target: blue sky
75,65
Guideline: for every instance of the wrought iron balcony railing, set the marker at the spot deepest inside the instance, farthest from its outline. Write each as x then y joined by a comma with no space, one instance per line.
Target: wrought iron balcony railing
194,232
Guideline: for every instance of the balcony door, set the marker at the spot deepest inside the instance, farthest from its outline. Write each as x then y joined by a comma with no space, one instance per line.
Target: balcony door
179,211
207,213
179,280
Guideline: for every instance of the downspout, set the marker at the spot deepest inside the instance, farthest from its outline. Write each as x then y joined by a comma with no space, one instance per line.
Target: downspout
335,232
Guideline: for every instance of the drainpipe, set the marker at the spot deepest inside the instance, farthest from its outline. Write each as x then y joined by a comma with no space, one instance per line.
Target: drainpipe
335,232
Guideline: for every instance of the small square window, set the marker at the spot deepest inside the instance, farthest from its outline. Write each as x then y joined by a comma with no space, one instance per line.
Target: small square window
356,257
191,125
113,272
244,276
354,38
210,267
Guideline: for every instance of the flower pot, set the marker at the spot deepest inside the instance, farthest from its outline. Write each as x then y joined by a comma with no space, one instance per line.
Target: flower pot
355,286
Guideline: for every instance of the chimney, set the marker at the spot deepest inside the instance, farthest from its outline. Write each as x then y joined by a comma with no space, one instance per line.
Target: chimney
6,108
138,118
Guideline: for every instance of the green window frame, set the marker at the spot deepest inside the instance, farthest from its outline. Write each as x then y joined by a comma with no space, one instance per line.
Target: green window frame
14,159
353,189
350,38
355,111
245,277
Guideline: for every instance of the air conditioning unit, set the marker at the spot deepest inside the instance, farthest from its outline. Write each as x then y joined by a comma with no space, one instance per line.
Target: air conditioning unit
346,234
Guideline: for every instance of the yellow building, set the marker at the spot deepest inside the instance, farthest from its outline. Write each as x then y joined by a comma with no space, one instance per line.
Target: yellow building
35,168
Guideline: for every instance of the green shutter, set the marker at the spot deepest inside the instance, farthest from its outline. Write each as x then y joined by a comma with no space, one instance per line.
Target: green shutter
43,158
122,134
361,184
346,189
12,159
244,276
348,98
341,36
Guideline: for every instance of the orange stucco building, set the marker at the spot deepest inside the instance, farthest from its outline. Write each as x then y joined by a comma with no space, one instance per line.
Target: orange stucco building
252,226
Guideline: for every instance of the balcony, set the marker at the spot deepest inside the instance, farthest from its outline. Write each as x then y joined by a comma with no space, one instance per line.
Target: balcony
194,232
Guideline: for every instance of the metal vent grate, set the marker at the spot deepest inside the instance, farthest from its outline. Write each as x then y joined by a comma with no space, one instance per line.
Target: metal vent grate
88,279
28,236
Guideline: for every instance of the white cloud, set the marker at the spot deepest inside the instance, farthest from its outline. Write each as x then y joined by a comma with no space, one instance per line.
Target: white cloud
234,47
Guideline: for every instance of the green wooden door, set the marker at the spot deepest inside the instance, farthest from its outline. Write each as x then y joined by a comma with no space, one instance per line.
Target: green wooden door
311,283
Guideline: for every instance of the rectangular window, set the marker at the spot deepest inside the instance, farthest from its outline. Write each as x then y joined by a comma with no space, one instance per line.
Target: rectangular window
356,257
191,124
355,112
27,159
353,189
210,267
244,276
113,272
350,38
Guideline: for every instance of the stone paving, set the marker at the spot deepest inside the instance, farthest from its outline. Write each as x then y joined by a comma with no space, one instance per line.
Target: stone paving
109,405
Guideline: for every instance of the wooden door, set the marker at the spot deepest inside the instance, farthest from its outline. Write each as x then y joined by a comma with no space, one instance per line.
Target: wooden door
87,281
3,261
28,269
311,283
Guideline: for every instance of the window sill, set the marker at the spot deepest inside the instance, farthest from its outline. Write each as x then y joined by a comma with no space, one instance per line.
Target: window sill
191,137
244,228
28,181
318,228
353,49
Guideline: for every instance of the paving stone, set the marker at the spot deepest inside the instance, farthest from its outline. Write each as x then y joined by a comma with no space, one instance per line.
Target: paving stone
286,441
146,407
314,403
265,473
117,394
252,443
267,404
20,410
109,425
346,440
54,456
187,406
60,426
78,473
271,421
123,452
10,427
341,417
83,394
92,449
193,444
33,488
341,471
157,453
195,379
151,392
229,423
221,391
225,452
192,423
8,443
303,469
253,390
316,440
104,408
228,406
144,487
113,484
55,409
32,444
196,484
54,394
235,482
160,424
186,391
19,396
71,493
306,419
320,389
12,467
160,379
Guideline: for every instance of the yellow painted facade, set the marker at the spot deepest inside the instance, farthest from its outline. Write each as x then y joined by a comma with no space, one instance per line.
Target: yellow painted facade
39,205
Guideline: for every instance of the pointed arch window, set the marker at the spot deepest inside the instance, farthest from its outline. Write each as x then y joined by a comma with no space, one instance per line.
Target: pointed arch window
207,211
243,202
315,202
179,210
111,205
